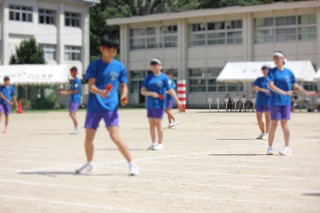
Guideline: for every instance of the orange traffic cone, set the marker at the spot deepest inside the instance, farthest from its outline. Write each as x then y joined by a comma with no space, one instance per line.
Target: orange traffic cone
20,110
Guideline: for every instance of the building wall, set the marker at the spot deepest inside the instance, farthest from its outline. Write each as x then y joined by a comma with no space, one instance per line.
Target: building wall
58,34
185,57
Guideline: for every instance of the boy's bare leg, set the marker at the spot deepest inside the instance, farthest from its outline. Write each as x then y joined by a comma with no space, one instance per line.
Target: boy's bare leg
74,119
152,129
268,120
89,147
158,124
122,146
272,131
260,122
286,132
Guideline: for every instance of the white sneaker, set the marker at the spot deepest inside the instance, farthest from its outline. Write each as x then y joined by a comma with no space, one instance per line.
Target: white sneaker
260,136
286,152
270,151
151,147
265,136
76,131
158,147
174,123
87,167
133,169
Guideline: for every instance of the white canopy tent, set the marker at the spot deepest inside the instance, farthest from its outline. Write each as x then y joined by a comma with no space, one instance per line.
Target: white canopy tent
317,76
35,74
248,71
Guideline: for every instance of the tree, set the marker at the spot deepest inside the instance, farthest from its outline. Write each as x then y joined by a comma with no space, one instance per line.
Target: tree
28,52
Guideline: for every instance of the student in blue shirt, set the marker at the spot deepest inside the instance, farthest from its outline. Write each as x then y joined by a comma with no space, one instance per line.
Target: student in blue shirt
7,93
155,87
282,83
75,98
260,85
105,76
169,103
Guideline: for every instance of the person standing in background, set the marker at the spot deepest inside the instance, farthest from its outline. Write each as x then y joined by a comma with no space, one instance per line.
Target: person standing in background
75,98
7,93
260,85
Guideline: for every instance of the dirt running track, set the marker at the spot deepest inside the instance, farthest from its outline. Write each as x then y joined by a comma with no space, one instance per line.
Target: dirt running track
211,163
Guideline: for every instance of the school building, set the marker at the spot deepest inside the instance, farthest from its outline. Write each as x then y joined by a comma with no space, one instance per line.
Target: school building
196,45
61,28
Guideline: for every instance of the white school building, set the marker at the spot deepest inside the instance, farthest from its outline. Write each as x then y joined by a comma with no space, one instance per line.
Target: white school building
196,45
61,28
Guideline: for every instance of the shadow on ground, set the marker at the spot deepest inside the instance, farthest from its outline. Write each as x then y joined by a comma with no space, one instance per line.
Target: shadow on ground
60,173
236,139
312,194
248,154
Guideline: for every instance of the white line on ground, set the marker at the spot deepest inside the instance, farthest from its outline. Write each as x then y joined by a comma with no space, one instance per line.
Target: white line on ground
230,166
71,204
161,194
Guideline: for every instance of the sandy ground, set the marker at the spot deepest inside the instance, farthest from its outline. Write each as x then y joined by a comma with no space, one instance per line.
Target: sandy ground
211,163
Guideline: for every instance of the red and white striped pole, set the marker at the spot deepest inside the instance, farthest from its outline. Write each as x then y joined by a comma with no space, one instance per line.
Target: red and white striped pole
182,92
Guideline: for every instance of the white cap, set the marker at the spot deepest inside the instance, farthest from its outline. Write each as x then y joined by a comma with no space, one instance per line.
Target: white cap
155,60
279,54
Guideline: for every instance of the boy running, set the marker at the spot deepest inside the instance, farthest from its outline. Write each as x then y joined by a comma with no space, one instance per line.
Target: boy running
103,73
282,83
169,103
7,92
75,98
155,87
263,102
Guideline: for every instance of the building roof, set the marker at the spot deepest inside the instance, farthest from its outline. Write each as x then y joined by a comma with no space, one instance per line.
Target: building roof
235,72
217,11
92,1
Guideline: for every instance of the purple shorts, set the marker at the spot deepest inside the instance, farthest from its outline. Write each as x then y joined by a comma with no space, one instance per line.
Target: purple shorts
5,108
93,119
73,107
169,104
155,113
263,108
280,113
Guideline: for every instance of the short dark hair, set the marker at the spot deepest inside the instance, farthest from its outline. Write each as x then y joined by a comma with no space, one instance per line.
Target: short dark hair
109,42
6,78
264,67
74,68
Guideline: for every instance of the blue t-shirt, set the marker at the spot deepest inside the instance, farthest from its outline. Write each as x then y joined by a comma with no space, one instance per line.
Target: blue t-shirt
75,85
105,73
262,98
159,84
8,92
173,86
283,79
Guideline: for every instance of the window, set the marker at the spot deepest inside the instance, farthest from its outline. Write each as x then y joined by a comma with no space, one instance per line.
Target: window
72,19
49,51
138,39
310,86
169,36
20,13
204,79
72,53
47,16
154,37
215,33
285,28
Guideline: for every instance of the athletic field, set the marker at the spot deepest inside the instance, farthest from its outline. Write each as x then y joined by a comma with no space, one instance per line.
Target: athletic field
211,163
